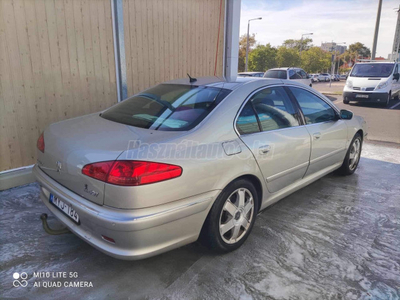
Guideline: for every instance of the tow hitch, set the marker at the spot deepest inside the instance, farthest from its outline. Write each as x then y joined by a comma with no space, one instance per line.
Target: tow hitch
46,227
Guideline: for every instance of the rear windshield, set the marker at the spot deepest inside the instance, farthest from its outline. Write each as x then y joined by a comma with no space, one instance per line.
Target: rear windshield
168,107
281,74
372,70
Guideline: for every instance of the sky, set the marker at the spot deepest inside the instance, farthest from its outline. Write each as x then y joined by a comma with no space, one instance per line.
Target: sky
347,21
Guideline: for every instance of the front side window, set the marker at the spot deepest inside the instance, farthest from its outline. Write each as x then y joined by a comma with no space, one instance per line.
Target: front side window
274,109
294,74
167,107
303,74
315,110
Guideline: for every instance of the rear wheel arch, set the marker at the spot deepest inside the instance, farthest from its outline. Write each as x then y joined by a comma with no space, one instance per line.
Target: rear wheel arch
257,184
361,132
253,180
209,234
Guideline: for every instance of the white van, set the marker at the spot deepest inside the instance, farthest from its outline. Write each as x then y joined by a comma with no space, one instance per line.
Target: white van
372,82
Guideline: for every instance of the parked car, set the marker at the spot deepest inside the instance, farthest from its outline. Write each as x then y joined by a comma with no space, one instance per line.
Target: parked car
372,82
251,74
191,159
337,77
314,78
296,74
324,77
343,77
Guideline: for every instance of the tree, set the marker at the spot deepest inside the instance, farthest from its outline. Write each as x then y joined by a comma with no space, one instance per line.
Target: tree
287,57
262,58
305,44
315,60
360,49
242,49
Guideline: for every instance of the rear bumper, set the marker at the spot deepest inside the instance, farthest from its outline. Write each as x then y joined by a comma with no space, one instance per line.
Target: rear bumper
372,97
138,233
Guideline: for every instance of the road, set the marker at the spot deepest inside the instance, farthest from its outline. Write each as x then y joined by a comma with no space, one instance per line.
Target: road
383,123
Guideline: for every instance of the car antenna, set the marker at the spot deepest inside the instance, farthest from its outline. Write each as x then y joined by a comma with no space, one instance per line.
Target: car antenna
191,79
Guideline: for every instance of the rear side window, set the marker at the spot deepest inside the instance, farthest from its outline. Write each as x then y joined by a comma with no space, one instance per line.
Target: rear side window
315,110
247,121
280,74
167,107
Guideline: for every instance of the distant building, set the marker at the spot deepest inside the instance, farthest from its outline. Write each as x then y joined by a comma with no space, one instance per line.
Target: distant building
329,47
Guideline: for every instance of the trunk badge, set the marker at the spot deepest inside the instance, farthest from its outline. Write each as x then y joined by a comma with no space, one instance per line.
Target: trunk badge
59,166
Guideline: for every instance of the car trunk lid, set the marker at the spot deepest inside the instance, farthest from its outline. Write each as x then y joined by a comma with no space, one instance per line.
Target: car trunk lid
74,143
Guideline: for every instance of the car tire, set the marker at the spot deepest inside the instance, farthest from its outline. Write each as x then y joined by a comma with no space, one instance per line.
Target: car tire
386,103
231,210
353,155
346,101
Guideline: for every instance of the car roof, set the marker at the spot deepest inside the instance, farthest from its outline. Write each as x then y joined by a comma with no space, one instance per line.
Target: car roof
283,68
376,62
220,82
245,73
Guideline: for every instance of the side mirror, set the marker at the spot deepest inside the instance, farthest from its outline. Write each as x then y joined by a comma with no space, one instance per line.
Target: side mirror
346,114
396,76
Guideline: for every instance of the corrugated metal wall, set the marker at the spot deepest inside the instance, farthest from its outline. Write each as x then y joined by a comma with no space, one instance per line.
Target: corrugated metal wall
57,59
165,39
56,62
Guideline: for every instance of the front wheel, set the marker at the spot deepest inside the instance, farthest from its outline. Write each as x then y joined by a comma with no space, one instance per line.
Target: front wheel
386,103
352,158
346,101
231,218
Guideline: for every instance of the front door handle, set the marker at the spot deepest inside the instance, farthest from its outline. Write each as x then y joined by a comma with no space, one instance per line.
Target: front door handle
317,135
264,149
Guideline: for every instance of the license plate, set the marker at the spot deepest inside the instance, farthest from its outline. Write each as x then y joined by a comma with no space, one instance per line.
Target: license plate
65,208
361,96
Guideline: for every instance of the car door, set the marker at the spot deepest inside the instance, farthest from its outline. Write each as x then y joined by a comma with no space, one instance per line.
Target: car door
396,83
328,132
271,127
304,76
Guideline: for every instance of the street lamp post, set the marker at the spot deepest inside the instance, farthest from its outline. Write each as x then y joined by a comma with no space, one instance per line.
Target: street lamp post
247,45
301,40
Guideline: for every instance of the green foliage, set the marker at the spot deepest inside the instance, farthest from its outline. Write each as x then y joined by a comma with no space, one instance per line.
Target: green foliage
287,57
315,60
360,49
312,59
242,49
304,44
262,58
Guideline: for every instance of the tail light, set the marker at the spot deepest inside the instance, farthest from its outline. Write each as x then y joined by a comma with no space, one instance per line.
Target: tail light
131,172
40,143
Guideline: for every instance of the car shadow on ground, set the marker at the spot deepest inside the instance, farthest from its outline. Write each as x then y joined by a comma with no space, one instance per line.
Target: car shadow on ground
376,105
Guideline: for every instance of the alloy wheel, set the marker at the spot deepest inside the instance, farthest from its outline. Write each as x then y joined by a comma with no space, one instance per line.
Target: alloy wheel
354,156
236,216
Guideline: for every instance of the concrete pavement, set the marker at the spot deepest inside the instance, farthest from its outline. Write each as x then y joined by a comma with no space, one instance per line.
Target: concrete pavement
338,238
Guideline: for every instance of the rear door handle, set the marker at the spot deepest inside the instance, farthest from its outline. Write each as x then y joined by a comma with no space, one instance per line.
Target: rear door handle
264,149
317,135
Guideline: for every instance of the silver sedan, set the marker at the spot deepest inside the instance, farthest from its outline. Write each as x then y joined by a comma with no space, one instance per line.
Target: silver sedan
191,159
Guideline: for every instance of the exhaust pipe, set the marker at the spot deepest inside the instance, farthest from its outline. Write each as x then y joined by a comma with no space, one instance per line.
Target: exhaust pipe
46,227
